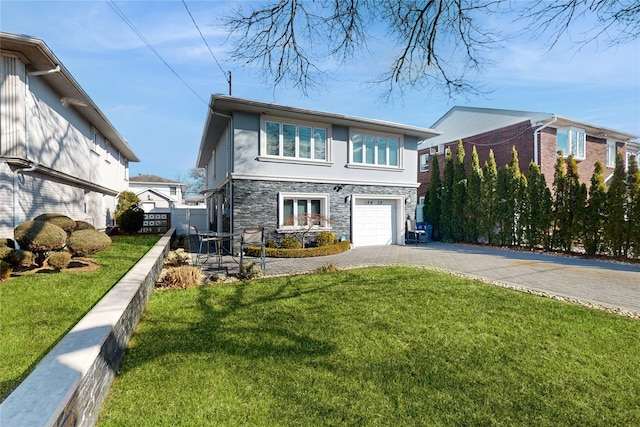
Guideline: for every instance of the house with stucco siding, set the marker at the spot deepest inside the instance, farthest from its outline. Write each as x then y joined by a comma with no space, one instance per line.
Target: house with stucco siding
269,165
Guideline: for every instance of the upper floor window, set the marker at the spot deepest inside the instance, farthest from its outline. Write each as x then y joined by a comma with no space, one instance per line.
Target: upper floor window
375,150
173,190
295,141
572,141
611,154
424,162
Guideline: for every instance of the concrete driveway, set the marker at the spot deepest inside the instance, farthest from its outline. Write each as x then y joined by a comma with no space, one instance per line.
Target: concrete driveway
609,284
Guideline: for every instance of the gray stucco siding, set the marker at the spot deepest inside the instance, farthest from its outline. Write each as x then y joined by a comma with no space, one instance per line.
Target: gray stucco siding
255,202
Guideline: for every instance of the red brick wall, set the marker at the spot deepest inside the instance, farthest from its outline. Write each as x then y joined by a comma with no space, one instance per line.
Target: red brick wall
521,136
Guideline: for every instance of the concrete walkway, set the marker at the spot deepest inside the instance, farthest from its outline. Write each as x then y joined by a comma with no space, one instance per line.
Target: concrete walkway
609,284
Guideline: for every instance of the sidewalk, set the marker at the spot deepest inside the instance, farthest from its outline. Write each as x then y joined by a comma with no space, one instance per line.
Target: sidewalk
609,284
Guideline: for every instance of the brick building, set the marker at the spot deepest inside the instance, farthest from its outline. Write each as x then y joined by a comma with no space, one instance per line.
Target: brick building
537,137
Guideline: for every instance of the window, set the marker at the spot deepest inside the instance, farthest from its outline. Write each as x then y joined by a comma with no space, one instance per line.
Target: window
611,154
173,190
424,162
375,150
295,141
297,209
572,141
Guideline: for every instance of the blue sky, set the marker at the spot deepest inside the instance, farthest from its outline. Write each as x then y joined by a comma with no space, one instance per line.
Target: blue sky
163,119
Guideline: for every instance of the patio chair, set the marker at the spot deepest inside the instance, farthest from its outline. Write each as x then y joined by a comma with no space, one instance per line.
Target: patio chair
202,239
413,233
254,237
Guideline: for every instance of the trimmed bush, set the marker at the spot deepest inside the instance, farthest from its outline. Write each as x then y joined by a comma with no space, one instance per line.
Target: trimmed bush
62,221
325,238
337,248
40,236
177,258
6,243
88,242
180,277
59,260
20,258
131,220
84,225
5,271
290,242
5,253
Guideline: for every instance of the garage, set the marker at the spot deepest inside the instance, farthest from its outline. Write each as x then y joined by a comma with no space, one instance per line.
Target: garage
375,222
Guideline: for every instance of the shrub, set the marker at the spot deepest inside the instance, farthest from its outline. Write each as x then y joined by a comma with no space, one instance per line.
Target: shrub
20,258
62,221
290,242
5,253
59,260
5,271
126,199
83,225
249,270
6,243
88,242
329,268
177,258
40,236
334,249
325,238
180,277
131,220
270,243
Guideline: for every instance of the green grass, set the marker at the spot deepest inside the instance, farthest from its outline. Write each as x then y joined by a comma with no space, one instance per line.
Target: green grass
381,346
37,310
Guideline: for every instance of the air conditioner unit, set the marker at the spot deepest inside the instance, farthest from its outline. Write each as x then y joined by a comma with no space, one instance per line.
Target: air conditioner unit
433,151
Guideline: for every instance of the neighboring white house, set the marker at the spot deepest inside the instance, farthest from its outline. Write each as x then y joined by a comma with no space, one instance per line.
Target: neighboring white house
58,152
267,165
157,194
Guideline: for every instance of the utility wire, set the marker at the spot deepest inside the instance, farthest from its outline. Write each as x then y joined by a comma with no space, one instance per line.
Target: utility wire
204,40
122,16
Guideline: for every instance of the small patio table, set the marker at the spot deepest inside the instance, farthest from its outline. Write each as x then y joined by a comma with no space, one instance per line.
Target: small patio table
218,237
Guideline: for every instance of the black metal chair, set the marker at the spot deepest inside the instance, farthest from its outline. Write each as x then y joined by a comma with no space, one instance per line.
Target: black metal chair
254,237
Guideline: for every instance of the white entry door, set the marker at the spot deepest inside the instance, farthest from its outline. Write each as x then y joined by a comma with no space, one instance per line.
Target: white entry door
374,222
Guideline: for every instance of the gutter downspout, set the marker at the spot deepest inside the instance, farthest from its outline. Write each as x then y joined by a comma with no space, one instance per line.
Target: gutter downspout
535,139
17,172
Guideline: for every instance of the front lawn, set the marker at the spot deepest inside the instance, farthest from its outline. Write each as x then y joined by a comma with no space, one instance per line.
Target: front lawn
377,346
37,310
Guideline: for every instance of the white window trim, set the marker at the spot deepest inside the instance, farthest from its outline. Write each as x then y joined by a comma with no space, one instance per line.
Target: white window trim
568,130
611,160
363,165
324,211
424,167
263,156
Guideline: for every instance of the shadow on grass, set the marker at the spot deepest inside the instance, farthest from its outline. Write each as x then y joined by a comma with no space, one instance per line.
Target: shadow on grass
215,332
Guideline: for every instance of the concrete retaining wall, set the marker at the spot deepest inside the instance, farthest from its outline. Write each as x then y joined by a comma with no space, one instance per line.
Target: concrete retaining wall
69,385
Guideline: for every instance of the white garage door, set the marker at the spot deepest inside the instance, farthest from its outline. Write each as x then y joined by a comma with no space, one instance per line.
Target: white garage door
374,222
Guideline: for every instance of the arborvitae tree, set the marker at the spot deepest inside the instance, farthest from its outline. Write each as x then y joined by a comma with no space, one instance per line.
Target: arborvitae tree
459,198
447,198
595,215
632,245
502,210
126,199
432,209
521,210
615,225
489,202
576,197
473,217
509,189
559,202
537,216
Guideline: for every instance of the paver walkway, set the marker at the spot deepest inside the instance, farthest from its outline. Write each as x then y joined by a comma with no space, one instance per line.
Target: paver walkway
610,284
